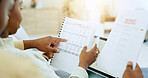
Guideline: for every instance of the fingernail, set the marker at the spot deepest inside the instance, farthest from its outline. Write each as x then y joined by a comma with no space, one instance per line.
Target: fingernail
130,63
58,50
85,46
66,40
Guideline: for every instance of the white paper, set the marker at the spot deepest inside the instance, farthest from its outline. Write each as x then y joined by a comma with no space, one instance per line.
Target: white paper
78,33
124,42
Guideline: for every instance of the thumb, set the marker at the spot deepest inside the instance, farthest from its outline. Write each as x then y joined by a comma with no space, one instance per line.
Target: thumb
129,66
84,49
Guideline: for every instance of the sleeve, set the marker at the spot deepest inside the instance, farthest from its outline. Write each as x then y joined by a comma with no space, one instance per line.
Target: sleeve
19,44
79,72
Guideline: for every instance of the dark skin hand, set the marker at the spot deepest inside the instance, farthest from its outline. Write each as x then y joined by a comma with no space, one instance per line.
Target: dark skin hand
87,58
48,45
130,73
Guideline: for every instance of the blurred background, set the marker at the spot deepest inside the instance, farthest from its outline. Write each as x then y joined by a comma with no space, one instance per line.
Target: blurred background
44,17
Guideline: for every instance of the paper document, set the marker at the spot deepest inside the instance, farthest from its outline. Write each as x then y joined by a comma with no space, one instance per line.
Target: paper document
124,42
78,33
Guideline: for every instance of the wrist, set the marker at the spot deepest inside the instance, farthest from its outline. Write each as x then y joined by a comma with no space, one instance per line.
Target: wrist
29,44
83,66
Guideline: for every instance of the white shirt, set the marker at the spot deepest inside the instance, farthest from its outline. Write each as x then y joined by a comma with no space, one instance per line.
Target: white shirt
45,69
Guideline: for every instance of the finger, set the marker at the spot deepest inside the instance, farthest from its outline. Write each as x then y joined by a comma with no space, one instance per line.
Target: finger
52,45
94,48
53,50
97,52
44,53
56,43
84,49
50,55
55,46
137,67
62,40
45,56
129,66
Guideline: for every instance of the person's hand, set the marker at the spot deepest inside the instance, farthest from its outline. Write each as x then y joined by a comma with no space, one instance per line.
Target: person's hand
87,58
46,44
130,73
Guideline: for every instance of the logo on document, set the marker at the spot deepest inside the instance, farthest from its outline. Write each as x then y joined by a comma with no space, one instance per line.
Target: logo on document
130,21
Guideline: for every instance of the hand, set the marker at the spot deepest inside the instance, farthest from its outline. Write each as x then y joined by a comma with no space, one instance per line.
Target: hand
87,58
130,73
46,44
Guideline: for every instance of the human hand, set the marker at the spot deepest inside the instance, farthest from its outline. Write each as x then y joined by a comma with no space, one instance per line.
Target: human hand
87,58
130,73
49,45
46,44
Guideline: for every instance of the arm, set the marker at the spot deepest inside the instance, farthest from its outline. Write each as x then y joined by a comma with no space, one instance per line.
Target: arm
86,59
28,44
24,44
48,45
